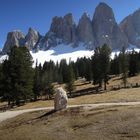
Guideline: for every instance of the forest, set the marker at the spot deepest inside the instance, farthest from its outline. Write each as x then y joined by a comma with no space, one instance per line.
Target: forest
20,81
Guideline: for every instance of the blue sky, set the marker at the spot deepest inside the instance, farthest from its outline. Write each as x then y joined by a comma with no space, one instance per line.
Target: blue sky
22,14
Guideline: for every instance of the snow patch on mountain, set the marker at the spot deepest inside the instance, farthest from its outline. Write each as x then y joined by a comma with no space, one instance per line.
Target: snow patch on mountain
60,52
67,52
3,57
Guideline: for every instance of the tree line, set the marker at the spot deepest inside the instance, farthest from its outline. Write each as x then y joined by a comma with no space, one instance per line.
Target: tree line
20,81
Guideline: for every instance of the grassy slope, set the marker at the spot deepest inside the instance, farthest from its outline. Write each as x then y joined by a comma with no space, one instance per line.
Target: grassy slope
113,96
104,123
123,95
110,123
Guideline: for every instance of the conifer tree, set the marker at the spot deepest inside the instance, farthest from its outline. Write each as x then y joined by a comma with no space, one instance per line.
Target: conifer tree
18,75
70,83
6,83
64,70
115,65
133,63
124,66
37,81
101,65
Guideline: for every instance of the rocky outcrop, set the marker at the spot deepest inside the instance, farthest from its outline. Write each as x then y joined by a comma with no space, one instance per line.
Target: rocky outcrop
131,28
48,41
60,99
15,38
105,28
84,30
64,28
32,38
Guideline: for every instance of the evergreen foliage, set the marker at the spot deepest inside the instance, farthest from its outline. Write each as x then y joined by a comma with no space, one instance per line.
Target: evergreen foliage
19,81
133,63
101,65
115,65
18,75
71,78
124,65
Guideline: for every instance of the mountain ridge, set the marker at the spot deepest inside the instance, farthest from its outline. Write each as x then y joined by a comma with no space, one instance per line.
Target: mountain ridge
101,29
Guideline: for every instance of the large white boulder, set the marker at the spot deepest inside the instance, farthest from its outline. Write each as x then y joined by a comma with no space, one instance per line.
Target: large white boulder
60,99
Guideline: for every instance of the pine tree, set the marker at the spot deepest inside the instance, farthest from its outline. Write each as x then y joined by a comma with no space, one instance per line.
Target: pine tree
115,65
105,63
63,69
88,72
101,65
37,81
133,63
19,75
124,65
70,83
6,83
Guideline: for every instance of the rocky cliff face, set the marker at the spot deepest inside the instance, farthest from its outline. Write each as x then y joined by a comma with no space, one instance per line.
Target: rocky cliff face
32,39
84,30
15,38
131,28
105,28
64,28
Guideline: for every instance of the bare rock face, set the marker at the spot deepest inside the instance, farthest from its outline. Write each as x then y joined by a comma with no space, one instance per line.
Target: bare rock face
105,28
60,99
32,38
64,28
57,26
84,30
131,28
69,29
15,38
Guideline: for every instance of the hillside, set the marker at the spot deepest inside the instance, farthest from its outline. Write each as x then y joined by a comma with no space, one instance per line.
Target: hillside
75,123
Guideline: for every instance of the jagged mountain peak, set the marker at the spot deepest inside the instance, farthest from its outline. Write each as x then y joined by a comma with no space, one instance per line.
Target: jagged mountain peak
103,4
131,27
32,38
32,31
85,31
106,29
68,20
103,12
103,28
85,15
14,38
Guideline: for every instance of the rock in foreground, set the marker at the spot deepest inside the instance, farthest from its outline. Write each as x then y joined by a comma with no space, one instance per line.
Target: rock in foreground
60,99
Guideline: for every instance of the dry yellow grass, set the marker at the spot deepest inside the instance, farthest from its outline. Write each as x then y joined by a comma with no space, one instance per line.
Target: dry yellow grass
104,123
123,95
118,81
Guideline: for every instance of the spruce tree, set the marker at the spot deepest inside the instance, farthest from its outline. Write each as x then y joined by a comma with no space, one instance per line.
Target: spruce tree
101,65
105,63
115,65
124,66
133,63
70,83
6,88
37,87
19,75
96,67
64,70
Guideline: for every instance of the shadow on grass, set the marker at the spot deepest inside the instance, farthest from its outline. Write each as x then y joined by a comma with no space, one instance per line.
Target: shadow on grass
47,114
